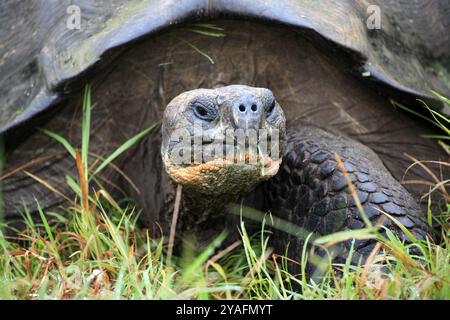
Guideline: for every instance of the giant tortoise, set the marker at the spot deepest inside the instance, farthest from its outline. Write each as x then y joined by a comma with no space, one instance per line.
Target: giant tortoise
331,66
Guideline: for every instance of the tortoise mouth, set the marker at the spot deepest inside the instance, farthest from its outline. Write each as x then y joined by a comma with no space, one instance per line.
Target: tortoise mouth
232,154
258,154
221,175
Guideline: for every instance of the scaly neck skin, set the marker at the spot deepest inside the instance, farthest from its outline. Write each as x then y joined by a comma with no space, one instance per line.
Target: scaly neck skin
205,216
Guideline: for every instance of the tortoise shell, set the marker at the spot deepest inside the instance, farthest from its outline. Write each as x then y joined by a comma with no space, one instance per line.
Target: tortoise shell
401,47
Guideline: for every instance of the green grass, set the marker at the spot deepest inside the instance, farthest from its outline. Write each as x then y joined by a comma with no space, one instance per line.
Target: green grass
96,251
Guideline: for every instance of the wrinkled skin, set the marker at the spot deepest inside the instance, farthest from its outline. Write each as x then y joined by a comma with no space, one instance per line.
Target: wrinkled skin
214,112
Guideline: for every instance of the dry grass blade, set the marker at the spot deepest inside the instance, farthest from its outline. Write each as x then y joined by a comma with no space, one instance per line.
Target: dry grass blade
369,261
47,185
441,163
280,278
173,225
83,182
125,146
27,165
114,167
220,255
223,252
427,170
426,183
278,256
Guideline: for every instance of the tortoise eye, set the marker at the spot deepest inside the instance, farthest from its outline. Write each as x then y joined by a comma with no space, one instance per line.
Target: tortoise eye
201,111
204,112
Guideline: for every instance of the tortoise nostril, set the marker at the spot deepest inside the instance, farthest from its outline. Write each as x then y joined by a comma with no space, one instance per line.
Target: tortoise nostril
242,108
254,108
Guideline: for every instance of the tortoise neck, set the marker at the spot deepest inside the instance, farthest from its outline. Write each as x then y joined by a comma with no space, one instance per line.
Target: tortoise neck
207,207
205,216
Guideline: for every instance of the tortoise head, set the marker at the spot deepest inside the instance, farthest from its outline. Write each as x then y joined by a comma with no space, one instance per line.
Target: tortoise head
223,141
